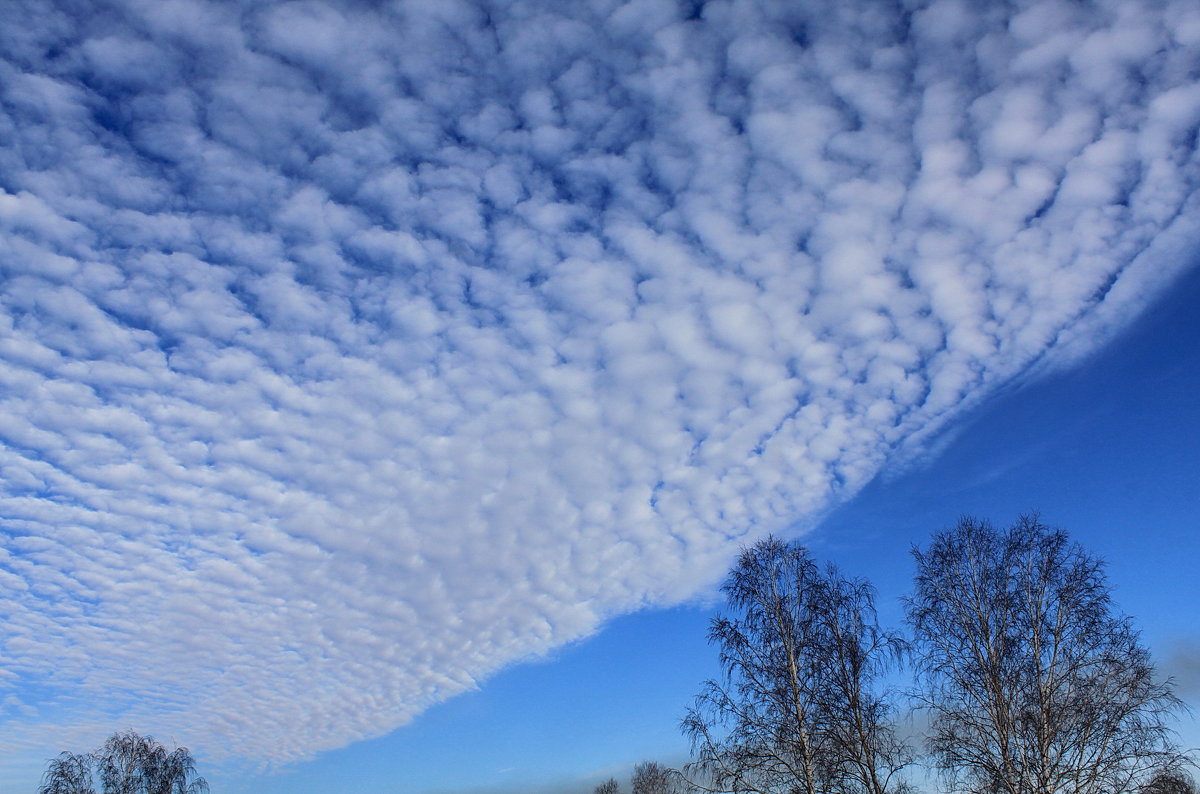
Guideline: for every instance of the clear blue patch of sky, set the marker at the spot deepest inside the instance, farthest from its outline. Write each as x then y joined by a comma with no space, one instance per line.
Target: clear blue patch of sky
1109,450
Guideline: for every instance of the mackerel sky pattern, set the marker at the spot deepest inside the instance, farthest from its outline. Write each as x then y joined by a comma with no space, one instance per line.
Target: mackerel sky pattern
351,352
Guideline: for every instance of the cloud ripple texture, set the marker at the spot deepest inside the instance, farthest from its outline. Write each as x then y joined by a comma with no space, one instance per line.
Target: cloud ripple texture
351,352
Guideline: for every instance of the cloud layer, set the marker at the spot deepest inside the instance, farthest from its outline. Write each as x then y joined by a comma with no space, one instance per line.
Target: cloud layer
350,352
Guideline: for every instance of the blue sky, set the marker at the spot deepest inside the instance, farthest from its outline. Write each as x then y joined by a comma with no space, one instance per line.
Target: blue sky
382,379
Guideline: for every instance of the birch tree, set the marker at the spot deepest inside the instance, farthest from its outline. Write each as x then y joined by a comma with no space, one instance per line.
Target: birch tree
797,709
1034,682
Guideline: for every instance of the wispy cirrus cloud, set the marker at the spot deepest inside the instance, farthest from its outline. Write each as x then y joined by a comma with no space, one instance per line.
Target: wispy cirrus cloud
352,352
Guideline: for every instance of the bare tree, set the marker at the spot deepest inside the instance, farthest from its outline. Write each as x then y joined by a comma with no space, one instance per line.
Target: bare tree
127,763
1034,683
1169,781
651,777
609,786
797,710
867,753
70,773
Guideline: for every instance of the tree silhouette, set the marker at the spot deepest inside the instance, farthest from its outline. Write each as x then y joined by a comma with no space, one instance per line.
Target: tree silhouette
797,711
1169,781
609,786
127,763
651,777
70,773
1034,683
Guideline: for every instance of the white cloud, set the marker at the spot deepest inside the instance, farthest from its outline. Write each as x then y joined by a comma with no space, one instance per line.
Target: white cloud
349,355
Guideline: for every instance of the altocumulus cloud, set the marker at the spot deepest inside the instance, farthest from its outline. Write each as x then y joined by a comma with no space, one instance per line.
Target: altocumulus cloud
353,351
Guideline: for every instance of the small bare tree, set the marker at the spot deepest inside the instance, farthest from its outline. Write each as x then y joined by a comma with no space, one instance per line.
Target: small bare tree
1170,781
651,777
70,773
127,763
609,786
797,710
1034,683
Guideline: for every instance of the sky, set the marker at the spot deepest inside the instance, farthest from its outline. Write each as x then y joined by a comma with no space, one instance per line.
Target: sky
386,387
